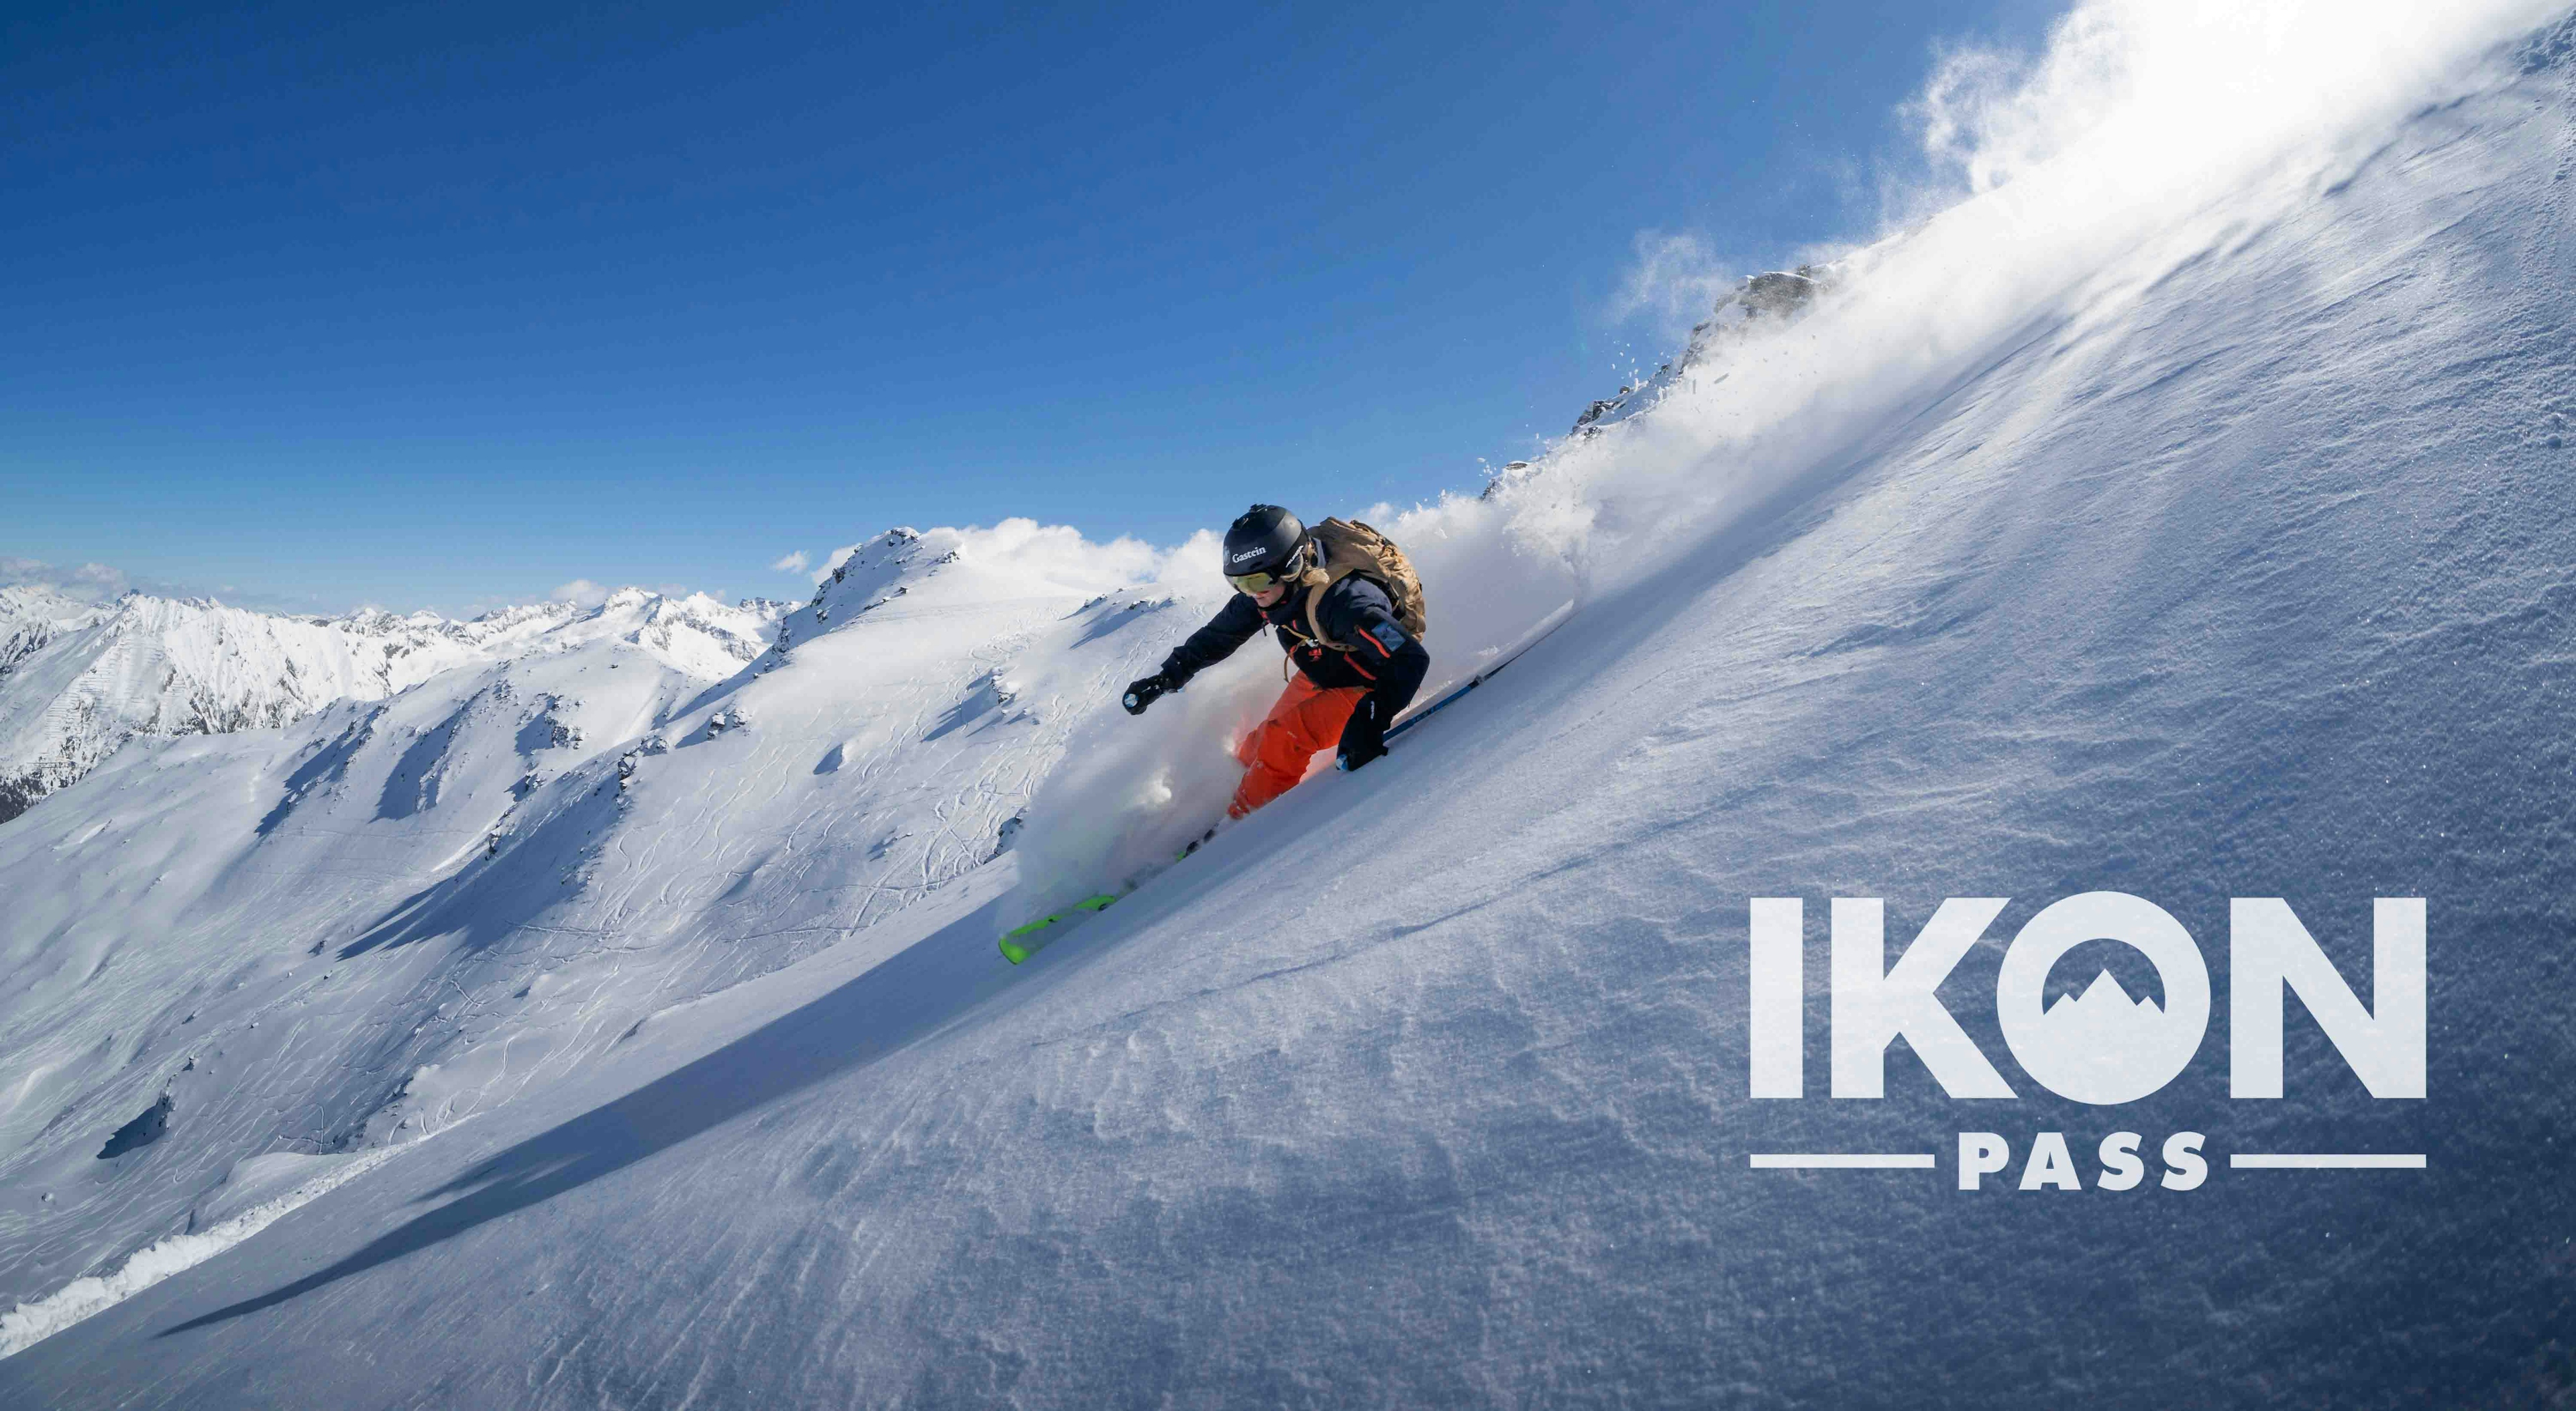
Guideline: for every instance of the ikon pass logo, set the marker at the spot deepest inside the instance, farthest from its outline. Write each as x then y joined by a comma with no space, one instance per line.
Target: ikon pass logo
2101,1046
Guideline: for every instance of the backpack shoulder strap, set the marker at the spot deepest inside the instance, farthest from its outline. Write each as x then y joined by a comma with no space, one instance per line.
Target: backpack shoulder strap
1315,612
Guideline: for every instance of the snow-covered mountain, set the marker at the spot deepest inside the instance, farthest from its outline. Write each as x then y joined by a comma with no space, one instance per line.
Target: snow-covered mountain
526,857
77,682
2187,518
31,616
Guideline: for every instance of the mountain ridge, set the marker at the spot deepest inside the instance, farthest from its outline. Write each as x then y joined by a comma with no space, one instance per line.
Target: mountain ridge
77,681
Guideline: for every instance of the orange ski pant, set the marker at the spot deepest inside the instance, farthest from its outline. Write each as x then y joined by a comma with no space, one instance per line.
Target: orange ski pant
1306,721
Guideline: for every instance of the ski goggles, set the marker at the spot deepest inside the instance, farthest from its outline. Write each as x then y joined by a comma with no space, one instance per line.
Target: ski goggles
1256,582
1286,573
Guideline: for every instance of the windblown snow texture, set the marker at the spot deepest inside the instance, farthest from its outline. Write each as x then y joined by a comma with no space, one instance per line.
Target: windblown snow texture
2207,544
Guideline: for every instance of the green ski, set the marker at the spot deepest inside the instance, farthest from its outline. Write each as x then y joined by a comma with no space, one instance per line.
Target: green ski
1020,942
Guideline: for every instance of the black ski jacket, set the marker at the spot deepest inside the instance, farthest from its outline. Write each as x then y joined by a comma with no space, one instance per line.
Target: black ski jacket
1389,662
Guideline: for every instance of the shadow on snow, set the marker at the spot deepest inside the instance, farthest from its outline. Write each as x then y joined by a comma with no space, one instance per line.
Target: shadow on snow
493,896
927,984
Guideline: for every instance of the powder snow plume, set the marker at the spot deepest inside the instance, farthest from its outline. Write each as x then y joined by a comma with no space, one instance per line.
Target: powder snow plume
2138,137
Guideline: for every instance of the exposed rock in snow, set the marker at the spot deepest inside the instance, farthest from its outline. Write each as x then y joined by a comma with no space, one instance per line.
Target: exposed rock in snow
1760,303
143,1131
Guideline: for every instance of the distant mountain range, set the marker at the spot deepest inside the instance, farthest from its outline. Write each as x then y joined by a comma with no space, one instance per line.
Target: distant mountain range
77,680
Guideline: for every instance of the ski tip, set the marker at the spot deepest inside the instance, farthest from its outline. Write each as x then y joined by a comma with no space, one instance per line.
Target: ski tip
1013,951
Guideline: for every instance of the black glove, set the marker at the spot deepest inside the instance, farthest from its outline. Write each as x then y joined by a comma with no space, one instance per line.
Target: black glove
1141,694
1363,736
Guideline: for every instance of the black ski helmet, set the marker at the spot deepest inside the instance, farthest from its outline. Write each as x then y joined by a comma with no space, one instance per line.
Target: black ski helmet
1265,539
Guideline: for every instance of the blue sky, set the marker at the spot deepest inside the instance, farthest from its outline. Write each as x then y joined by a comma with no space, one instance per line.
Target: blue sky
445,305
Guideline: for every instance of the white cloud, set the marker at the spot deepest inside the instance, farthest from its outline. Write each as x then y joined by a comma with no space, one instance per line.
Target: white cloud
98,583
89,583
582,591
1057,553
793,563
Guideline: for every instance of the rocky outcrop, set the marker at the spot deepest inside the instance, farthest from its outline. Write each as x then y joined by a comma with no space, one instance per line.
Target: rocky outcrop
1758,305
1761,303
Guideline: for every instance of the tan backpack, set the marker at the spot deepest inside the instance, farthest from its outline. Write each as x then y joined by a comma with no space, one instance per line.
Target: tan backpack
1345,547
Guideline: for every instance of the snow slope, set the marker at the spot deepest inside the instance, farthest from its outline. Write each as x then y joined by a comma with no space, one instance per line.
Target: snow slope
158,916
391,915
2212,544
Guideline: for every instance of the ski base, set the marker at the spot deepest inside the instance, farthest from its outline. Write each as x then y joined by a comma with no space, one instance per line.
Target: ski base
1419,712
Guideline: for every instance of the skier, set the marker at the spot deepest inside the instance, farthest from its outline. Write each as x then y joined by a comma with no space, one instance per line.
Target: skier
1348,608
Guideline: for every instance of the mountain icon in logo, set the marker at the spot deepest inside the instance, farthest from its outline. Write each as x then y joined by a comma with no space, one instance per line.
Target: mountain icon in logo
2093,1043
2101,1046
2103,1020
